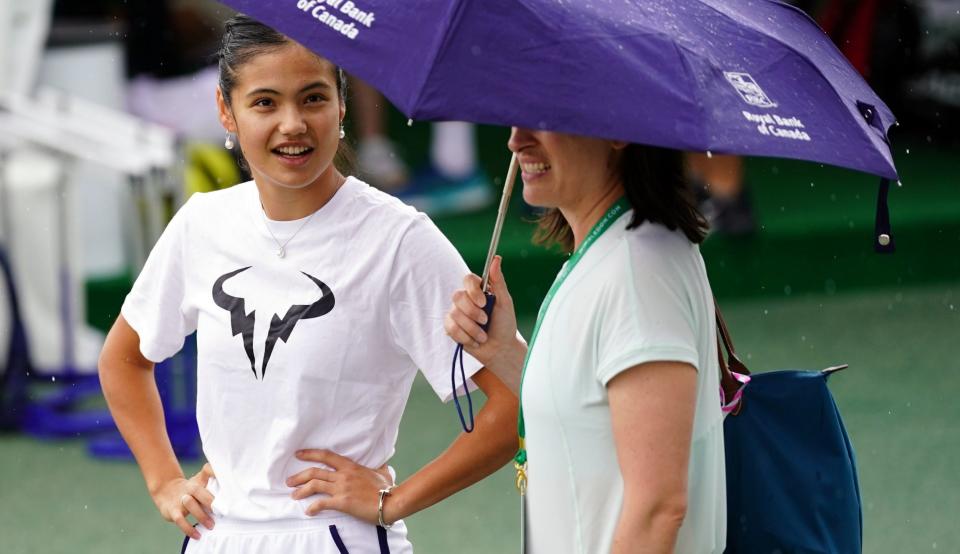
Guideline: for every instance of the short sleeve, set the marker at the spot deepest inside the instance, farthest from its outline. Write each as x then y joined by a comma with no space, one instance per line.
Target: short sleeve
428,270
155,307
646,316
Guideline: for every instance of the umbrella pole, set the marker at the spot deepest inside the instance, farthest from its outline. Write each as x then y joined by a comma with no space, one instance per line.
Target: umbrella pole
501,214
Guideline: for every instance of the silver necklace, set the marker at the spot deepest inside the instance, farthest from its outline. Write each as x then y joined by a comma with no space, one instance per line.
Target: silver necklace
282,247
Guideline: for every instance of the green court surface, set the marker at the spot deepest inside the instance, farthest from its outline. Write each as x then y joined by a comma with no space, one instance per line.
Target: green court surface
898,399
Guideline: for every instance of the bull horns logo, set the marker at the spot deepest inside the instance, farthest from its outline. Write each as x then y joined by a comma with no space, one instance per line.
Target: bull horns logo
241,323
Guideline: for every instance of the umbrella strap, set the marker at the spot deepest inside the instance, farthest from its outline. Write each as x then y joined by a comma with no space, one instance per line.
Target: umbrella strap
458,357
882,236
618,209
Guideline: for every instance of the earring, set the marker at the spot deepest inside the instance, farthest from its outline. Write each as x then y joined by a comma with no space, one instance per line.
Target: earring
228,143
343,133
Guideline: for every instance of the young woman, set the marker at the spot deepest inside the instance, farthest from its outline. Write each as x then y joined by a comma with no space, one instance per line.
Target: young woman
315,299
620,402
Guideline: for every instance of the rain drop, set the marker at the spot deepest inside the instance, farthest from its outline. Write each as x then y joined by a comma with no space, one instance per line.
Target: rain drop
811,185
709,154
908,150
410,122
899,183
53,379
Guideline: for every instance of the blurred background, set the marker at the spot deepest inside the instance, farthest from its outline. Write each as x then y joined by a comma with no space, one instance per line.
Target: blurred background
108,123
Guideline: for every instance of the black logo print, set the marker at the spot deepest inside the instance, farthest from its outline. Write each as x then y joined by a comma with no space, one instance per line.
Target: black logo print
280,328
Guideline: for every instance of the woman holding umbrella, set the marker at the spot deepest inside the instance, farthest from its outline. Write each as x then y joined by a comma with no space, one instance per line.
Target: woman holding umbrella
315,299
621,426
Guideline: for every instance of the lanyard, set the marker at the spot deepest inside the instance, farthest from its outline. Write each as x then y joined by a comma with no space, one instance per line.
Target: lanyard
613,214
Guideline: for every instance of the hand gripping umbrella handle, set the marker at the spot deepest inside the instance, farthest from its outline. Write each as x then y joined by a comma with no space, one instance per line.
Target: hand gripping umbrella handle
491,299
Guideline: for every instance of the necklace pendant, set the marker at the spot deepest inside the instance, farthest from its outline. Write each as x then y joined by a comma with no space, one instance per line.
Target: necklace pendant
281,253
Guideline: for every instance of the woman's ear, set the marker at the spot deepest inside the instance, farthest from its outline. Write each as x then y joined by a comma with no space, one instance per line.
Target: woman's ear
225,113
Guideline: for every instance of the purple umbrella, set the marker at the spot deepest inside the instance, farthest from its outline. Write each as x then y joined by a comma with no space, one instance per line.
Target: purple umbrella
751,77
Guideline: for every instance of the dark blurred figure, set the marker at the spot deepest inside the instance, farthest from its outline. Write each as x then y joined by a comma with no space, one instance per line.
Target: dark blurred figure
909,52
163,38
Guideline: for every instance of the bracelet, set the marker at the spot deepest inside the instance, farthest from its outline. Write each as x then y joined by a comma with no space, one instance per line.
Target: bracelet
383,493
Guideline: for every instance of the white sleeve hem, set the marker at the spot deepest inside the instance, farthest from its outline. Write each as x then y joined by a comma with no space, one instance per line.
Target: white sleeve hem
150,350
470,367
644,355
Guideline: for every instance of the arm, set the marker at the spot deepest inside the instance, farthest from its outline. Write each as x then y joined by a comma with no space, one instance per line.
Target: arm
131,392
353,489
652,407
500,350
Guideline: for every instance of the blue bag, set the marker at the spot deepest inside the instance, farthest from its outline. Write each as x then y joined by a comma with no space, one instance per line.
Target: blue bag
792,483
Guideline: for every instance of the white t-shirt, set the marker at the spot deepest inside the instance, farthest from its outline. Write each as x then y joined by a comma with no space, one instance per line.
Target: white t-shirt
636,296
317,349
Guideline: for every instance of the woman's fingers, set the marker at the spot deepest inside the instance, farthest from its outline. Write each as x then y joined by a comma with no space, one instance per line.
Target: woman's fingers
465,304
195,509
325,457
455,332
309,474
498,285
202,495
471,284
178,518
464,330
322,504
313,487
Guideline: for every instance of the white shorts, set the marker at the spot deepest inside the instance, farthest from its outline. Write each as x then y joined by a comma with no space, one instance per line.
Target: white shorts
329,535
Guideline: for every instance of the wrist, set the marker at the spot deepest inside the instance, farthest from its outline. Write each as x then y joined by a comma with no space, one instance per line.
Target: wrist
390,512
157,484
509,360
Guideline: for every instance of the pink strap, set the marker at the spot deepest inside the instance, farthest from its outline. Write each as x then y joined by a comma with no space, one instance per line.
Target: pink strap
735,401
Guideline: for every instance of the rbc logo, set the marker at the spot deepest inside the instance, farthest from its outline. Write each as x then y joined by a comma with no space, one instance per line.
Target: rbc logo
749,90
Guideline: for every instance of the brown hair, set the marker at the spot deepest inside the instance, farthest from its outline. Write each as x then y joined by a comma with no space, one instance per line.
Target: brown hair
654,183
244,38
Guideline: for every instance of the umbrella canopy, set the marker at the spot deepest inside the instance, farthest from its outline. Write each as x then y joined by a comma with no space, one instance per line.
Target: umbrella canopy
751,77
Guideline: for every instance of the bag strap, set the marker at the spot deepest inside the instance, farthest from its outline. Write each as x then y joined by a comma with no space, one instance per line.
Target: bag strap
732,363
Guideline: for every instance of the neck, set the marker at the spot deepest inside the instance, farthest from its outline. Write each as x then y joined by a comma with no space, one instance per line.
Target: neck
588,211
287,204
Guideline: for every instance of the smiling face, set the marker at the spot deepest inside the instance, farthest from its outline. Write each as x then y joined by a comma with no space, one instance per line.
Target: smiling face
560,170
286,112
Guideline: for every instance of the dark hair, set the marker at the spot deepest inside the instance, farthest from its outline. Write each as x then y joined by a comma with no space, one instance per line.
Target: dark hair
654,183
245,38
